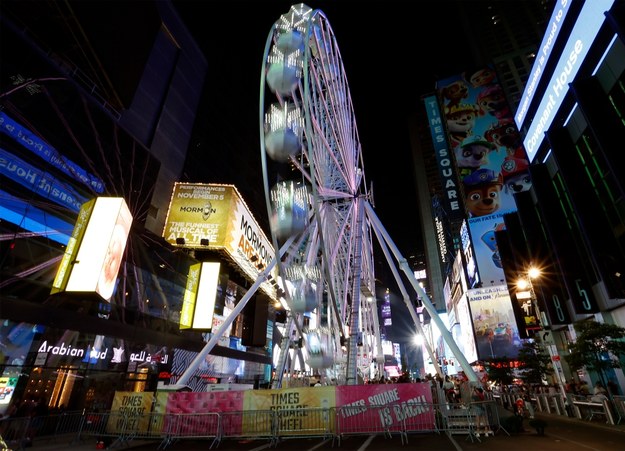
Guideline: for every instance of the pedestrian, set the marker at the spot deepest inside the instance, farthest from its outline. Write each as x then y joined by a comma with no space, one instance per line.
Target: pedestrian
613,388
449,388
583,388
599,389
38,415
519,407
477,408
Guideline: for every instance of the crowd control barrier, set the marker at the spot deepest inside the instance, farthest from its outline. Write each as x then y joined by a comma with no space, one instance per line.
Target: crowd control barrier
394,419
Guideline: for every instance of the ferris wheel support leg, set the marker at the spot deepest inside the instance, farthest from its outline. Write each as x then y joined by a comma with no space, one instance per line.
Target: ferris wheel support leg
351,377
411,309
427,303
378,344
284,351
199,358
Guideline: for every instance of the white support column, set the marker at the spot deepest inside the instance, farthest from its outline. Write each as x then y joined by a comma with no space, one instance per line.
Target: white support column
427,303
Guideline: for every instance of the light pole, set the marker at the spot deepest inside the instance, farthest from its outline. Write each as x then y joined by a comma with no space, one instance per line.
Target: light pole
525,283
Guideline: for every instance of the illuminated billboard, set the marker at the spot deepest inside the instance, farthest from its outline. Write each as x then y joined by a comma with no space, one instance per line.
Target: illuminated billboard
542,57
469,258
39,181
34,220
93,254
214,216
462,331
490,162
496,331
198,305
588,23
49,154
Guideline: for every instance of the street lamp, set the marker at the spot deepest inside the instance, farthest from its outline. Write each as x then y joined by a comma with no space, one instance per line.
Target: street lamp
525,283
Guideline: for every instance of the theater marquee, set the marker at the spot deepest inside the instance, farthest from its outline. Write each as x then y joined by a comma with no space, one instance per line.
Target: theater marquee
215,217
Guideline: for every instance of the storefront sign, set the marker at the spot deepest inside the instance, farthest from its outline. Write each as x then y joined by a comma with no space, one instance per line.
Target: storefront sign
64,349
145,357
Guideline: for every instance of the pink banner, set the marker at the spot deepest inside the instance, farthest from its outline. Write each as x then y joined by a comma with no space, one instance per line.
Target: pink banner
395,406
205,402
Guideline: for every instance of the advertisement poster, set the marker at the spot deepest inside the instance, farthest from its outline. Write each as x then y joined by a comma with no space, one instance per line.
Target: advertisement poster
300,410
290,404
489,156
485,246
394,405
217,216
7,388
495,326
15,341
130,412
462,331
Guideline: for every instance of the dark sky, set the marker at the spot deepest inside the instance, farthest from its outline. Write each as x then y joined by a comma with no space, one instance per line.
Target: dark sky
392,52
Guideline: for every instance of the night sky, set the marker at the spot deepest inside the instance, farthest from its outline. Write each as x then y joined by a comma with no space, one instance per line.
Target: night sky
391,56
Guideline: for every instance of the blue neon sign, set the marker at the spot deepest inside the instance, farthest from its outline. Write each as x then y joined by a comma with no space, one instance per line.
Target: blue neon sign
49,154
587,26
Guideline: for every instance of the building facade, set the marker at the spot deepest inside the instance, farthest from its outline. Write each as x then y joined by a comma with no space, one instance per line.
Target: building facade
99,100
567,216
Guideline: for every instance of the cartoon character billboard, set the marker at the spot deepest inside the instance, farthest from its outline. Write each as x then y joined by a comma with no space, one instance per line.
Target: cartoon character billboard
490,160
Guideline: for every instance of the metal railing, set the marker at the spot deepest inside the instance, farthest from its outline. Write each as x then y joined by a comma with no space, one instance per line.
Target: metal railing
399,419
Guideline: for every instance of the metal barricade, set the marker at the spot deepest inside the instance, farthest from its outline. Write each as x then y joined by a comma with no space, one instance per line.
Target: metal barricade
68,424
417,417
144,427
552,403
258,424
367,420
50,428
312,422
459,419
586,409
619,408
179,426
101,425
476,420
14,431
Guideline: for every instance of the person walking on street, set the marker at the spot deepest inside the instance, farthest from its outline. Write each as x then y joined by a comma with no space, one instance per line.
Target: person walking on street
37,418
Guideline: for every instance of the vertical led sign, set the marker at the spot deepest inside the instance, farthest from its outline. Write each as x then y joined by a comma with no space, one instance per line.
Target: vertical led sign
198,306
94,252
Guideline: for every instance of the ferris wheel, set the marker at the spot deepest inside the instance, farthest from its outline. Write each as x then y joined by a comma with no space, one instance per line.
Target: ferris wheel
316,193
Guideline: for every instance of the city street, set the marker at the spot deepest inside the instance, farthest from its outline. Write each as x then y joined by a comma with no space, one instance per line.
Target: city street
562,433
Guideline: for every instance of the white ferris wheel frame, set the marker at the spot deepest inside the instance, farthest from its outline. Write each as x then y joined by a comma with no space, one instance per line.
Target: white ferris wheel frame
339,235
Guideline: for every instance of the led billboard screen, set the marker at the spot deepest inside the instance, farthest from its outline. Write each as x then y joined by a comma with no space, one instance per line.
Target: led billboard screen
214,216
542,57
94,252
588,23
49,154
198,305
496,331
489,159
